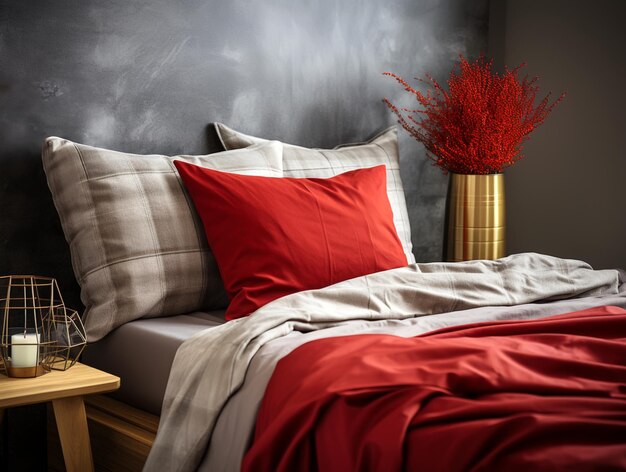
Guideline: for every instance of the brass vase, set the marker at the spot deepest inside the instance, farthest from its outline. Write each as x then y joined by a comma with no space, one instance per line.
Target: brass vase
475,227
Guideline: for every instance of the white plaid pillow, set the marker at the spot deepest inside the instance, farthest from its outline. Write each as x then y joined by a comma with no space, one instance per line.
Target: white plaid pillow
138,247
305,162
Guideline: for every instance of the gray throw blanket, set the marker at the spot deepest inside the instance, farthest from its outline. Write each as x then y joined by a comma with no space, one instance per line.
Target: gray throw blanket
212,365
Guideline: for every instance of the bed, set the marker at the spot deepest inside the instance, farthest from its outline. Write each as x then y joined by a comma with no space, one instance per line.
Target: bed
159,242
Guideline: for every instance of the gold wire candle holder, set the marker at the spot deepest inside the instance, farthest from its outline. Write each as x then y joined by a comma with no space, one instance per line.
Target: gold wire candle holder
38,332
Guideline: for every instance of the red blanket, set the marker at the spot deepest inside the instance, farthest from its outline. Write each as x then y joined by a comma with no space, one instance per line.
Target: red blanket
546,394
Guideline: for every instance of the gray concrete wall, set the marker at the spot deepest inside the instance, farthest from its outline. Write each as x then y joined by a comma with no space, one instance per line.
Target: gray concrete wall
566,197
147,76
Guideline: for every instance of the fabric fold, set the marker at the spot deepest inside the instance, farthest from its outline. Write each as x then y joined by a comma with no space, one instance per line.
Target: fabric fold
211,366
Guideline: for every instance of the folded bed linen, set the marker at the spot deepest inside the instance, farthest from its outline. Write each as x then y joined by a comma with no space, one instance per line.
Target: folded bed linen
211,367
541,394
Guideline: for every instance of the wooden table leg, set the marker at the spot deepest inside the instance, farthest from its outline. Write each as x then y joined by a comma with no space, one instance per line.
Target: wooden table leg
73,433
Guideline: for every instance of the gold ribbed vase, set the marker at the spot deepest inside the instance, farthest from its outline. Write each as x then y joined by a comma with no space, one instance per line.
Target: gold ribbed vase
475,217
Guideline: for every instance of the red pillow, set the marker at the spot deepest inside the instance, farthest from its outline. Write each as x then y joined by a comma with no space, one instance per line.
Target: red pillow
276,236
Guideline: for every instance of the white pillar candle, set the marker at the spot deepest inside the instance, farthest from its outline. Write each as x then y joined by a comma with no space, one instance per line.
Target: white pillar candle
24,350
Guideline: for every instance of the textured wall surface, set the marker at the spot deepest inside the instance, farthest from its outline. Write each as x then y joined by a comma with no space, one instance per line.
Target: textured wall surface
566,197
147,76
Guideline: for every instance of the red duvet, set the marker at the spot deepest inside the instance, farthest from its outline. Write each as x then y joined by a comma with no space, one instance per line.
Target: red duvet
548,394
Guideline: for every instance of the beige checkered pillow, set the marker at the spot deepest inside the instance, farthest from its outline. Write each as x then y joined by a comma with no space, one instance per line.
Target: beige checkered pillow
304,162
138,248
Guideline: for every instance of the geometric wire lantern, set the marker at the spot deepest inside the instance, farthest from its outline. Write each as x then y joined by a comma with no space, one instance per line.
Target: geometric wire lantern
68,335
38,332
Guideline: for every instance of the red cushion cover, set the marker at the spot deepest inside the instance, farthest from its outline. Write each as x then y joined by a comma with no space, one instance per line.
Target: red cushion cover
276,236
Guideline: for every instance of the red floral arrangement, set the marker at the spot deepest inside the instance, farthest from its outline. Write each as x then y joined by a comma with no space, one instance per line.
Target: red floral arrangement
479,125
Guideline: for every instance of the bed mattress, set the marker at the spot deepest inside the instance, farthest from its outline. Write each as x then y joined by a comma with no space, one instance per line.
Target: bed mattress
141,354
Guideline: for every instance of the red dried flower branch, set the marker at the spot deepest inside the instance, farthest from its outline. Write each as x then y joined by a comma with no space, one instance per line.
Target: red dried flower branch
477,126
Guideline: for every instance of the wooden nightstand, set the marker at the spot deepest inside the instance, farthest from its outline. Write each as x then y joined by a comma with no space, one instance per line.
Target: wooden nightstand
65,390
